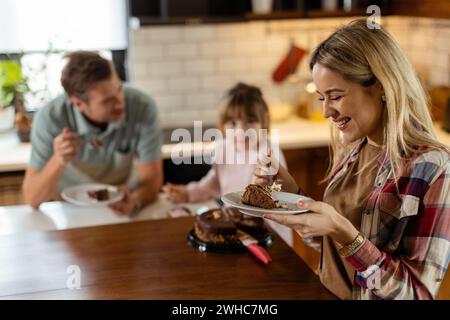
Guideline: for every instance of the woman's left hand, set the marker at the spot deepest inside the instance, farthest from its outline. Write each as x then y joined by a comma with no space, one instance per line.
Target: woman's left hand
323,220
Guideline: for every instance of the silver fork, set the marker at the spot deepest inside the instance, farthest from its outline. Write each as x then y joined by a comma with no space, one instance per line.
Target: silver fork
93,141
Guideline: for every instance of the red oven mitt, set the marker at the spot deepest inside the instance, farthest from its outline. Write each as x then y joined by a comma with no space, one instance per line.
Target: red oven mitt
289,64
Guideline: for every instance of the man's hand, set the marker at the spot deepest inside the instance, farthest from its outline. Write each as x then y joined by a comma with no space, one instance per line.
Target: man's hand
66,146
125,206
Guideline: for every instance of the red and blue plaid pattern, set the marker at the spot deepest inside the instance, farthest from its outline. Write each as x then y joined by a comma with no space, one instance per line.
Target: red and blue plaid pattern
407,225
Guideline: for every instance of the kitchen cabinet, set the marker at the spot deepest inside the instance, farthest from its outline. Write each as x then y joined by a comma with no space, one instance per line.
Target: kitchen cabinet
219,11
308,167
10,188
421,8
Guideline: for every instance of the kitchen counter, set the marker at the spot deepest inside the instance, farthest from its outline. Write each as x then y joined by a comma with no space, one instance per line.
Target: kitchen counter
295,133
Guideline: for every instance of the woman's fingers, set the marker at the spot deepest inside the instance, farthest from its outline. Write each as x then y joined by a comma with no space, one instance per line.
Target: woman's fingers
311,205
289,220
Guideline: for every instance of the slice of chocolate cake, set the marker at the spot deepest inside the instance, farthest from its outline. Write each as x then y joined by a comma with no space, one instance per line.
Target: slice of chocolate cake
216,226
259,196
100,195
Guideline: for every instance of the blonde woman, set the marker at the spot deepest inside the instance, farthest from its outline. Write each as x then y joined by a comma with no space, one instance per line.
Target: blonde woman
384,223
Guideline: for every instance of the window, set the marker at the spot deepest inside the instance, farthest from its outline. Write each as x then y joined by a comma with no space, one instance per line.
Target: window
42,31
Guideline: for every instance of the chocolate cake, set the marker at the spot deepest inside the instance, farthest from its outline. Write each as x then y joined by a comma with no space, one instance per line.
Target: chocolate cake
259,196
100,195
249,224
220,226
215,226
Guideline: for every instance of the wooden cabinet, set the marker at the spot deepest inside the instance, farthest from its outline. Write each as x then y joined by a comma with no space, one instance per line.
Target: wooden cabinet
222,11
10,188
421,8
308,167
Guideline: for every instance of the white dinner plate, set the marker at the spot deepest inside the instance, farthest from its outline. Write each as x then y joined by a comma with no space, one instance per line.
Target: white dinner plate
233,199
79,194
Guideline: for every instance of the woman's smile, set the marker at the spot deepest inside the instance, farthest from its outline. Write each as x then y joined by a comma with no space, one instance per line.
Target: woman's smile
342,122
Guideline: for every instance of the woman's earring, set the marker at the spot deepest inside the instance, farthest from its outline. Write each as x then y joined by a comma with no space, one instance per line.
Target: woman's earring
383,98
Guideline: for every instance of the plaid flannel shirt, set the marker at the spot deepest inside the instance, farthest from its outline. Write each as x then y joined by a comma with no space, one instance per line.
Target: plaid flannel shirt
407,228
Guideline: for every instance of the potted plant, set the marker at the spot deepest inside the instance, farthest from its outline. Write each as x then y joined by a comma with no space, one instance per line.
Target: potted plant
12,87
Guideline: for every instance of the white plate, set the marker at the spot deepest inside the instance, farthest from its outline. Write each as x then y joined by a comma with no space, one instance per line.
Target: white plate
79,194
233,199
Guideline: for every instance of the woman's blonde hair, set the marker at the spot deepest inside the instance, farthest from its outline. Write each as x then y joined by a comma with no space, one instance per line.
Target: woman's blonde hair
246,102
366,55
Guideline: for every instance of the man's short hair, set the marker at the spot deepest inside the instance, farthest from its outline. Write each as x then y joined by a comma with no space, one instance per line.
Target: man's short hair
83,69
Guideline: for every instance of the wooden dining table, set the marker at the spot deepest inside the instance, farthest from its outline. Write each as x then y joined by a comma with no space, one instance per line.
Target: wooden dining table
145,260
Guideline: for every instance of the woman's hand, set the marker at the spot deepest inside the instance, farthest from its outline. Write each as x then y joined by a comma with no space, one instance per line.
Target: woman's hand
323,220
269,170
176,193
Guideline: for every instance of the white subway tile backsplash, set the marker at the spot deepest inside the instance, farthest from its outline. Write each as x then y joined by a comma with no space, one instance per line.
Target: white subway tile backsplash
165,68
166,101
183,84
442,42
163,34
195,33
264,63
217,49
199,66
188,68
210,116
217,81
139,37
152,86
182,50
258,79
139,70
276,45
251,47
233,31
202,100
147,52
233,65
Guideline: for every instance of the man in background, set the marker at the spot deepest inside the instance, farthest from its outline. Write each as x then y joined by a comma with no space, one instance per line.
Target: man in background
93,133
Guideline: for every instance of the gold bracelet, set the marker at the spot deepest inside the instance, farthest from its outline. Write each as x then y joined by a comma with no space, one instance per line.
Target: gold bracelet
349,248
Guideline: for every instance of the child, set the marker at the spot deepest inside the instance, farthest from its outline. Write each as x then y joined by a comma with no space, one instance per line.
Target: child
244,109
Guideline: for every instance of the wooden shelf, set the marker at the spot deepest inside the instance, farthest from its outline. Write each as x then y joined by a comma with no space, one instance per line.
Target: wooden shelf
336,13
146,21
276,15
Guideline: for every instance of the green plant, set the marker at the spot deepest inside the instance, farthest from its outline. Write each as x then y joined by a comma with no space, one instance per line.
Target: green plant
11,82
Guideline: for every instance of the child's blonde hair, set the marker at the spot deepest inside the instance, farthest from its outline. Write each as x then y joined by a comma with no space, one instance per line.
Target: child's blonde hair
244,101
